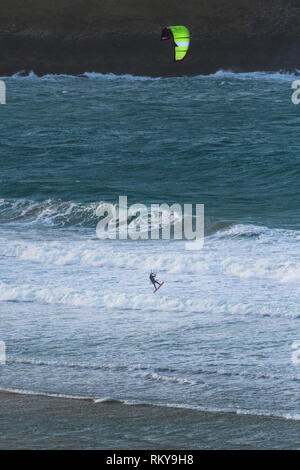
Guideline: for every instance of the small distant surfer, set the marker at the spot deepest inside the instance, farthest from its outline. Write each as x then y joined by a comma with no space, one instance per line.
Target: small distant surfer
153,280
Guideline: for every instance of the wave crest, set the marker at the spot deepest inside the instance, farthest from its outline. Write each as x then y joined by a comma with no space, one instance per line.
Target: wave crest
221,74
49,212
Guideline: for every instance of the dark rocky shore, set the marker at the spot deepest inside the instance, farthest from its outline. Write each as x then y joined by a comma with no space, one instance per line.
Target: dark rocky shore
123,36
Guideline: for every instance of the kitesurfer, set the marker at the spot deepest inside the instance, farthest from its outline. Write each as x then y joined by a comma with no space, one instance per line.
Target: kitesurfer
153,280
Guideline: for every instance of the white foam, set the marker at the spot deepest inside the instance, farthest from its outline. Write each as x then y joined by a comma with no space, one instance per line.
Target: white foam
32,76
49,212
166,378
281,271
18,391
113,76
273,263
117,300
257,76
97,254
44,294
223,74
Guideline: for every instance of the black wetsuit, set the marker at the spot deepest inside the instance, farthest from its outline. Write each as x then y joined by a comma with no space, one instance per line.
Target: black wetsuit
153,280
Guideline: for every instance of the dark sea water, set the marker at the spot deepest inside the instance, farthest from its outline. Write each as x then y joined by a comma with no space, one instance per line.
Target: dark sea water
211,361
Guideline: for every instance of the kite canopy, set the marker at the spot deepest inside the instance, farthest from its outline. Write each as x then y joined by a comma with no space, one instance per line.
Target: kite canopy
181,37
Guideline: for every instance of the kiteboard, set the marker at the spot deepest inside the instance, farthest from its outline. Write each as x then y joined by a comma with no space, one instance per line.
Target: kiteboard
158,287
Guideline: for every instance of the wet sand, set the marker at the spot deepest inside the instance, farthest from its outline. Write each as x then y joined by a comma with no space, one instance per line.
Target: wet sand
42,422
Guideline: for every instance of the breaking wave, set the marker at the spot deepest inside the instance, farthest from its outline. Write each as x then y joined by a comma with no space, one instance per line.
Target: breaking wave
53,213
140,302
221,74
272,248
57,213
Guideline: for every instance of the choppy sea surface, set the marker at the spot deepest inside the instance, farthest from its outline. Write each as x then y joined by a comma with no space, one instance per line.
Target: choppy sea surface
210,360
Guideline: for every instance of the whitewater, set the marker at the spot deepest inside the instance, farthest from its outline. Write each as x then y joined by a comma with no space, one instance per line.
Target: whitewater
78,315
